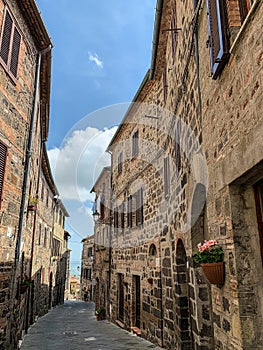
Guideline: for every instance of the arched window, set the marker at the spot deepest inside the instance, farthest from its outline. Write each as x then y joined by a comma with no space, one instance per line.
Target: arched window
152,250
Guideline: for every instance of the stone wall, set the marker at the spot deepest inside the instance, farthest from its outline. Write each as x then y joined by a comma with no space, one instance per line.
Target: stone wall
217,126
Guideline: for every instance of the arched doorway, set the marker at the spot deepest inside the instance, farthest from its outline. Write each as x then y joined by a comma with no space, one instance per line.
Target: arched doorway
200,290
50,290
183,324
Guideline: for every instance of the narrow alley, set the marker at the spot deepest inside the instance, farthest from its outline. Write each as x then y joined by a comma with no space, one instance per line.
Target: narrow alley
74,326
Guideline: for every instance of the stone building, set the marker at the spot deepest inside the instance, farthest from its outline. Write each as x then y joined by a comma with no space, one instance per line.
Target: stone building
27,189
87,276
187,167
102,232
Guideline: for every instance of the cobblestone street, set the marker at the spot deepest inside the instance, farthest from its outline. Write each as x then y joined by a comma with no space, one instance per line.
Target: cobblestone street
74,326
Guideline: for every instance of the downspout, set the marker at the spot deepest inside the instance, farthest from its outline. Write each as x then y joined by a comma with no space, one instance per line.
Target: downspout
110,242
27,169
161,289
157,23
197,3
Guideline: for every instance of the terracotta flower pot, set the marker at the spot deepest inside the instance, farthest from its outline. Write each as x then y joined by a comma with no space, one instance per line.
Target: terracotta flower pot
31,208
214,272
23,289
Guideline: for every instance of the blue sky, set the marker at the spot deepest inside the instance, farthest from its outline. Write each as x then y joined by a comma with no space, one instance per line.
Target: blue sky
102,50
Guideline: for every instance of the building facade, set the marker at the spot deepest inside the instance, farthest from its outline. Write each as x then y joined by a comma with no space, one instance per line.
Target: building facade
87,275
102,246
187,167
26,222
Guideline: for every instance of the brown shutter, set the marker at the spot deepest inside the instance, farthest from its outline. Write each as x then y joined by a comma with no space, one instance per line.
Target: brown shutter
165,86
218,35
6,37
174,32
139,207
166,176
15,52
3,154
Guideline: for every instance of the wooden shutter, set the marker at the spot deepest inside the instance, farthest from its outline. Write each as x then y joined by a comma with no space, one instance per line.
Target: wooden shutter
178,160
122,217
3,155
139,207
6,38
135,144
166,176
165,86
15,52
130,211
10,45
218,35
174,32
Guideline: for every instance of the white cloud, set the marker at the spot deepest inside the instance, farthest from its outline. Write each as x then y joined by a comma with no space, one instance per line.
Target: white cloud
79,161
95,58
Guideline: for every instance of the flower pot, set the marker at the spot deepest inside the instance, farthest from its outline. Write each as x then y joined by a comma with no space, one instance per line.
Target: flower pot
31,208
214,272
23,289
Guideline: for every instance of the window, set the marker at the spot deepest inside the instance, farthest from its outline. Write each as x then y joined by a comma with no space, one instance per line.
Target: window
165,86
218,38
10,45
139,207
56,247
45,237
129,217
135,143
244,6
178,161
173,30
120,163
122,217
3,155
166,179
102,206
152,250
116,219
90,252
39,233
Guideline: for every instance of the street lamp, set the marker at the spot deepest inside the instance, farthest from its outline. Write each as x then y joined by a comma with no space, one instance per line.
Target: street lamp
96,216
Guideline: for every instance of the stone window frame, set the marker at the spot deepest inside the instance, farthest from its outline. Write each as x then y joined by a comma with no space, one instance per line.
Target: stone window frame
10,50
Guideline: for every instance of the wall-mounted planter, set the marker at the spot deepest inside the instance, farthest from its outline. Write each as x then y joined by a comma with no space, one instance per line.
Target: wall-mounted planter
214,272
31,207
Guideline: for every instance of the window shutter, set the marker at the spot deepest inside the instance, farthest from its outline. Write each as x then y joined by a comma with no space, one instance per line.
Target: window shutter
6,38
165,86
166,176
174,32
3,154
218,35
139,207
15,52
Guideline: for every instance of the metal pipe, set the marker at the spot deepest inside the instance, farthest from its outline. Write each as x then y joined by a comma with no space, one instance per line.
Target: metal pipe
27,169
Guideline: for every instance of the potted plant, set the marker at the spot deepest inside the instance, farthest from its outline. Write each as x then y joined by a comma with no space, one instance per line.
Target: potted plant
100,313
210,256
24,285
32,203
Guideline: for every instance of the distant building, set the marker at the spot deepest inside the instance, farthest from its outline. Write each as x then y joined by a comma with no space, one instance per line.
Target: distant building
102,246
87,276
74,287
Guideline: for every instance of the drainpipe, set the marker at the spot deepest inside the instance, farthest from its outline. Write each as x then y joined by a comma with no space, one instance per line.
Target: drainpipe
110,243
198,4
26,170
161,289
